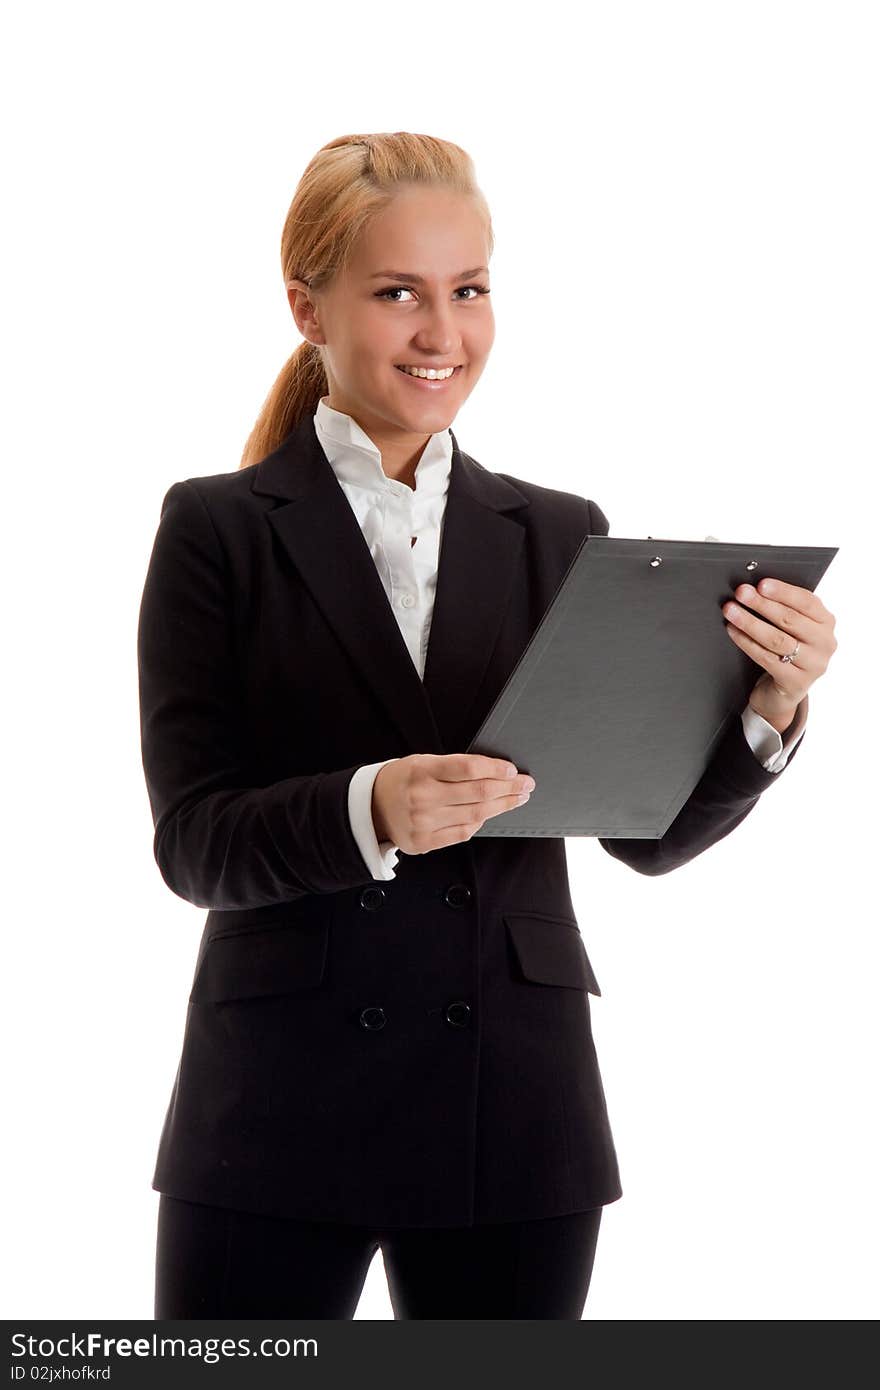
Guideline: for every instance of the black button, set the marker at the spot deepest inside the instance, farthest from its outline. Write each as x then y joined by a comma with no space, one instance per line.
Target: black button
457,895
458,1013
372,897
373,1018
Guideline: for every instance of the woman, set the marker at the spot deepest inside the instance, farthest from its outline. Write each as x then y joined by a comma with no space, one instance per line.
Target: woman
388,1040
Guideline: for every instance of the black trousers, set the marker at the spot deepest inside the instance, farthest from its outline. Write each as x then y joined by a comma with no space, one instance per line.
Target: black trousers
215,1262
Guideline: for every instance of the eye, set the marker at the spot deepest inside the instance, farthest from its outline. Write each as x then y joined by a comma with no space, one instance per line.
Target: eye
396,289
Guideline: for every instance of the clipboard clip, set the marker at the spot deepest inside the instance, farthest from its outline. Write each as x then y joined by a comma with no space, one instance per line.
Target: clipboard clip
658,559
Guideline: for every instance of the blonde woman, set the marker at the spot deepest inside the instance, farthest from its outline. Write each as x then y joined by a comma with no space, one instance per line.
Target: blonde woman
388,1041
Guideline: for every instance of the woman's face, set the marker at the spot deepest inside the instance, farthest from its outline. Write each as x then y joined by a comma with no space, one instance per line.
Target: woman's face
432,313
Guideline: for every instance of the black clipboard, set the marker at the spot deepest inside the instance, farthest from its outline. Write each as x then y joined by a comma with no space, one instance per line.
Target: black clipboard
629,683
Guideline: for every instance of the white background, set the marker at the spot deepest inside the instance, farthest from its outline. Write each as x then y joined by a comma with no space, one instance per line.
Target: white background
685,285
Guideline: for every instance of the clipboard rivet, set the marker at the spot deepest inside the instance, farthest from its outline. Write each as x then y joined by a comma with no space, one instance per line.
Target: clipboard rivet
752,565
657,560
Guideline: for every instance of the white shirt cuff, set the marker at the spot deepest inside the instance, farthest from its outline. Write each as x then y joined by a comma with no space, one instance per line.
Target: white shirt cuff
380,858
766,742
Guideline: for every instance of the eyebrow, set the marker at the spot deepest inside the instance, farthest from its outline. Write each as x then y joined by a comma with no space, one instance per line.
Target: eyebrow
417,279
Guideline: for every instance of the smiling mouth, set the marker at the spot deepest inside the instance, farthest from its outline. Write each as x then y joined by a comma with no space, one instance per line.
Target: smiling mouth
416,377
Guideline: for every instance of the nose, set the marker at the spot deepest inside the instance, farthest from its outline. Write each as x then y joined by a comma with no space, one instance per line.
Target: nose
438,333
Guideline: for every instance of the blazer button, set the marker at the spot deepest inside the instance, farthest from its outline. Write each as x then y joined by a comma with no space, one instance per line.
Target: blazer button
373,1018
458,1013
371,898
457,895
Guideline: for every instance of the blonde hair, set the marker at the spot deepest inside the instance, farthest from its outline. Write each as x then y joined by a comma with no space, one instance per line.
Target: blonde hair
349,181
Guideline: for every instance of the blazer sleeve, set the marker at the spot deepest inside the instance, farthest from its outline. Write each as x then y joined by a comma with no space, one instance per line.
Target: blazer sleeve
220,842
725,794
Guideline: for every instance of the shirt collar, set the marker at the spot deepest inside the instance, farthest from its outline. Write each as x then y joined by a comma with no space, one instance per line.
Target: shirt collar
355,459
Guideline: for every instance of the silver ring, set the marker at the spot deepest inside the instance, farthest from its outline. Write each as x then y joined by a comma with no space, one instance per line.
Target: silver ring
791,655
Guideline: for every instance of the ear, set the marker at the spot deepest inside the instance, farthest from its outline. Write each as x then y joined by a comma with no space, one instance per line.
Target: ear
304,311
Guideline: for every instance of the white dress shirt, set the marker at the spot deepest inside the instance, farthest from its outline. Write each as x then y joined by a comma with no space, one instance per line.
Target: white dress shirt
390,514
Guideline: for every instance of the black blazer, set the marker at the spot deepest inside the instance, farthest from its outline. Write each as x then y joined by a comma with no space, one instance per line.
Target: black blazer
411,1052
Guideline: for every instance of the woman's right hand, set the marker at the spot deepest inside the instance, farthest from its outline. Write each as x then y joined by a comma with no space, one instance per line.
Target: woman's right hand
429,800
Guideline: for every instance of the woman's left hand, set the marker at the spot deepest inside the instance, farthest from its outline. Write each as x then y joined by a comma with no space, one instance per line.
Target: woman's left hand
788,615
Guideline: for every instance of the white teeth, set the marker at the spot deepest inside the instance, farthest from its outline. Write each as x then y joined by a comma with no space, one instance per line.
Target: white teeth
428,372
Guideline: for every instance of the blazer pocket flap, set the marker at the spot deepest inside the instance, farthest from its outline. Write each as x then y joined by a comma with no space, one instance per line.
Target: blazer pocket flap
261,961
551,951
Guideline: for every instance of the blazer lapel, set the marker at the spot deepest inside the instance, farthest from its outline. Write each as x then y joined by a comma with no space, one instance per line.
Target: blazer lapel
479,552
